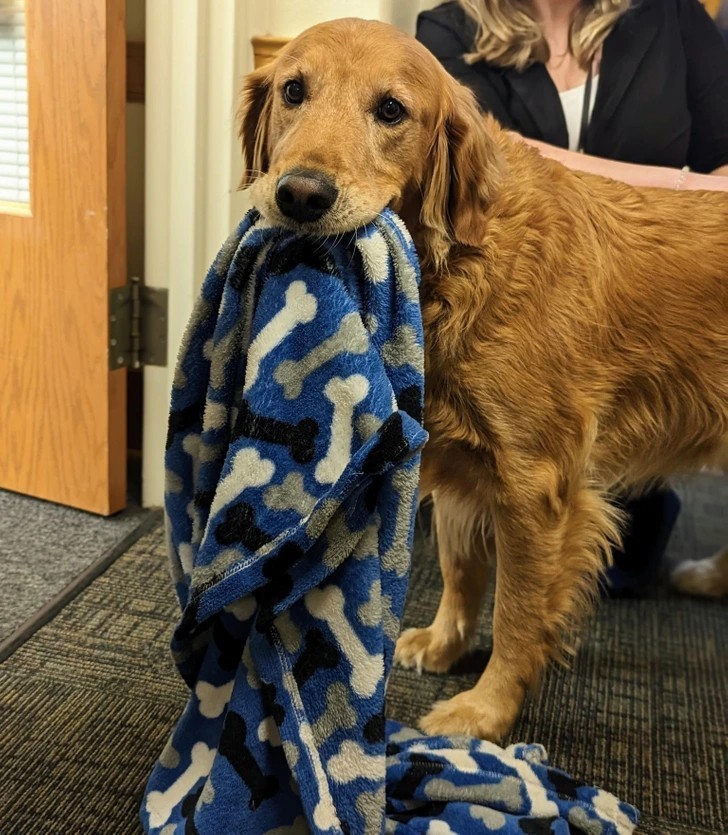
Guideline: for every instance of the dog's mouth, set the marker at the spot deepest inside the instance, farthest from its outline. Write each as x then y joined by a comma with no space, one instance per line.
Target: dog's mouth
339,225
315,231
312,205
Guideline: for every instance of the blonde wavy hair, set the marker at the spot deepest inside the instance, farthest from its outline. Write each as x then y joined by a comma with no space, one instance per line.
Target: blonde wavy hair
509,35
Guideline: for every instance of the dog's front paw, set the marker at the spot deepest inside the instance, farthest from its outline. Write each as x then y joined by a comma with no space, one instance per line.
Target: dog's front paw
465,714
422,649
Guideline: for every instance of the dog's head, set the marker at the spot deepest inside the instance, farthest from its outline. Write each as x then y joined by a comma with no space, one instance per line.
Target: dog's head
353,116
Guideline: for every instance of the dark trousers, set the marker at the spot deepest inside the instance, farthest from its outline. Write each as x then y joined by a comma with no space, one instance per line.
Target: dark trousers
650,520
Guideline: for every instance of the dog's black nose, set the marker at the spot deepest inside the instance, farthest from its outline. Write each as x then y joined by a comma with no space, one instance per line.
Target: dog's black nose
305,195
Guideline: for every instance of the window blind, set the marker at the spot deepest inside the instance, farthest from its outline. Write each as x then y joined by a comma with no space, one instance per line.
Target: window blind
14,145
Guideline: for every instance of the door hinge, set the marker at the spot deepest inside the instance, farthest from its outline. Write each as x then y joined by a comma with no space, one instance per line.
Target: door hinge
137,325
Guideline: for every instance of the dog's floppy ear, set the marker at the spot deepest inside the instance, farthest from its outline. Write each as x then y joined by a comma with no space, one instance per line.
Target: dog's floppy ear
253,122
464,171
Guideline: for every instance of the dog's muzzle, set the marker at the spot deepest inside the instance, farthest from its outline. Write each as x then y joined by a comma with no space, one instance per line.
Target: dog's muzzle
305,195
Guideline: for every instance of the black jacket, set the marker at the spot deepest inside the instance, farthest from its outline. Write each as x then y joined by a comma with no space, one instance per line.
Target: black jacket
663,86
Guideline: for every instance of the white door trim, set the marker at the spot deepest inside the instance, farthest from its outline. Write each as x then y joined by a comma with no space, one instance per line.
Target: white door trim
196,54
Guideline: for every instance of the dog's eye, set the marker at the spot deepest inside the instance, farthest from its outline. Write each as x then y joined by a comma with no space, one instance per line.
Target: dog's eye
390,111
293,92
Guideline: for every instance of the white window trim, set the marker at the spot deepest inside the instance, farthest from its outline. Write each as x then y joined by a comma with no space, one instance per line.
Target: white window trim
14,132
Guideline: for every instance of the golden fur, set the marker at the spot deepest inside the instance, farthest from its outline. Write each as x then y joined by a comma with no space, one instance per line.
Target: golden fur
576,335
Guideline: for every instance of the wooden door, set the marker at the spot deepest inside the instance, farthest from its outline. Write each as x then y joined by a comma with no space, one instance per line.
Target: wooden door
62,411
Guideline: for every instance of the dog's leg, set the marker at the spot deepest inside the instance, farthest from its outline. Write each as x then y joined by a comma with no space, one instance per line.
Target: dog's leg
462,534
550,550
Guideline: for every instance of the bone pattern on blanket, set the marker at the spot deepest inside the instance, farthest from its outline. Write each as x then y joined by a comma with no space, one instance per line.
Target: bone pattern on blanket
367,425
352,762
268,732
213,700
169,757
233,745
328,605
379,607
350,336
318,653
345,395
248,470
324,813
291,495
298,437
300,308
160,804
338,714
406,485
403,348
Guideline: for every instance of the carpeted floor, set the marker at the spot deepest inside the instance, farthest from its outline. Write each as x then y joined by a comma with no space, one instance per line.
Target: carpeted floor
87,703
44,548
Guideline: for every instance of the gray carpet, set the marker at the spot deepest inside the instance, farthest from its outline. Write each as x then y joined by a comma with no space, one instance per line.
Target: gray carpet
87,703
44,547
702,526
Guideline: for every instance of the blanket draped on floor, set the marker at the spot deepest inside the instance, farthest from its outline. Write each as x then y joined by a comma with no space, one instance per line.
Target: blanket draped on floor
292,465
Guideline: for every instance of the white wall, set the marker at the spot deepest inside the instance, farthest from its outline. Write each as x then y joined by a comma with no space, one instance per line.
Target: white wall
287,18
197,51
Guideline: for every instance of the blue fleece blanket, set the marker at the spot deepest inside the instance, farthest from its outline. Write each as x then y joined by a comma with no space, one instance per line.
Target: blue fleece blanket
292,465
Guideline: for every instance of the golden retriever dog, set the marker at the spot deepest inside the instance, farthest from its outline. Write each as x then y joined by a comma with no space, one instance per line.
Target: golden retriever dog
576,332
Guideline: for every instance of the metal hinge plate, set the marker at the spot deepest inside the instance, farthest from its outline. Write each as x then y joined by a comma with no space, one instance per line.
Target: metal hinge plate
137,326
